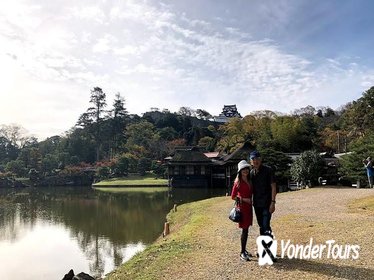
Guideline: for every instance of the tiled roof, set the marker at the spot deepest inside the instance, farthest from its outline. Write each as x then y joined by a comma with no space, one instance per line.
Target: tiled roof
240,153
189,156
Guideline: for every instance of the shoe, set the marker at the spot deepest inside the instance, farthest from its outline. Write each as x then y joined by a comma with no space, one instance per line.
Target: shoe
248,254
244,256
269,233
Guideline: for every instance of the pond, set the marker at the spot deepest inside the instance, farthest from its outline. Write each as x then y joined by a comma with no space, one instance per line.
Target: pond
45,232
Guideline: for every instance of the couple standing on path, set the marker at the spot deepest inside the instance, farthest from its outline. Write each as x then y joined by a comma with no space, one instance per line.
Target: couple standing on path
369,170
254,187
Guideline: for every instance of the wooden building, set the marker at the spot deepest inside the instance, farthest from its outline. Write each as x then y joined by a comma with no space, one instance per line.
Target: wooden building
192,167
189,167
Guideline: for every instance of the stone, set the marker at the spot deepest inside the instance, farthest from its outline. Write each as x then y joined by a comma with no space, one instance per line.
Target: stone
69,275
83,276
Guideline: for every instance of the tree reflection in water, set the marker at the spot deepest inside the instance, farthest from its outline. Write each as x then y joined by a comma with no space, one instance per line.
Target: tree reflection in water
108,228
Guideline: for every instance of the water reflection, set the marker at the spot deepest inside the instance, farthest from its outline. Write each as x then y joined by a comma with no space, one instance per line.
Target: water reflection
97,230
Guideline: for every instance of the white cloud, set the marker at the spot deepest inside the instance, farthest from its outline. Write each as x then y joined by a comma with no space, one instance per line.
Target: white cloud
155,57
92,13
125,51
368,80
104,44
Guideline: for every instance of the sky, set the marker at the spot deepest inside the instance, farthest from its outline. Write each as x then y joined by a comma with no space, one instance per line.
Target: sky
278,55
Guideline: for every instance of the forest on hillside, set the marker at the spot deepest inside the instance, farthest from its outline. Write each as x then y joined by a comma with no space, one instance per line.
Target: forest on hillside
109,140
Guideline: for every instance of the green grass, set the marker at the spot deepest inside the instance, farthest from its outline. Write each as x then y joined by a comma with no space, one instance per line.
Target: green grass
132,189
133,180
363,205
22,179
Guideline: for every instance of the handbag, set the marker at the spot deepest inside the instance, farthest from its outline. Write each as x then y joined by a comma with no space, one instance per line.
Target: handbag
235,214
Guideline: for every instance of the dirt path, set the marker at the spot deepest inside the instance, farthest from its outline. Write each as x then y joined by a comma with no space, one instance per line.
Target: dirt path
319,213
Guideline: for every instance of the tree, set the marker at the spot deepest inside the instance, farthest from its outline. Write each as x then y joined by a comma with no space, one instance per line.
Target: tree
98,99
51,145
308,110
144,142
185,125
171,145
280,163
207,142
235,132
117,123
308,138
351,165
81,145
126,163
123,165
31,157
186,111
293,134
333,140
16,167
85,120
307,168
144,164
103,172
358,116
17,136
49,163
74,160
119,110
170,120
263,136
158,168
203,114
285,131
140,134
168,133
8,151
329,112
93,117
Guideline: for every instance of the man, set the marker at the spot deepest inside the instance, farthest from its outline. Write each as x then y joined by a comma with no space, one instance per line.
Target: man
369,170
264,192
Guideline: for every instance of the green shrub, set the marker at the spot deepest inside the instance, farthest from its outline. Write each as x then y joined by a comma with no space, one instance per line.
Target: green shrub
307,168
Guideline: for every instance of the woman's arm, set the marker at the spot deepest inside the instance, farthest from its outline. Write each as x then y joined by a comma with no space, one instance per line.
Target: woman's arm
234,192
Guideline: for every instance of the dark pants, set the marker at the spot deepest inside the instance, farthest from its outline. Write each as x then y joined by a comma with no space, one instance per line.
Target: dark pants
263,219
370,179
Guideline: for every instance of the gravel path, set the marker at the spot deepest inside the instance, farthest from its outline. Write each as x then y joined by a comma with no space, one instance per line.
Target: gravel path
320,213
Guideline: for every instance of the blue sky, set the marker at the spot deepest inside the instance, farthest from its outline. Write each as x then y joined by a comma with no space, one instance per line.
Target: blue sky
274,55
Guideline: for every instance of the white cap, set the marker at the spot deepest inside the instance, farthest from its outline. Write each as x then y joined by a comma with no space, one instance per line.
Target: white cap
242,164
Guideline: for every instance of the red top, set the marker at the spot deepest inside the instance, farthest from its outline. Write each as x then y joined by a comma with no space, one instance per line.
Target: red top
243,190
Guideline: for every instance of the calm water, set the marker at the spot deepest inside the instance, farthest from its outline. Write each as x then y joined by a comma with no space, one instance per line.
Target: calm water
45,232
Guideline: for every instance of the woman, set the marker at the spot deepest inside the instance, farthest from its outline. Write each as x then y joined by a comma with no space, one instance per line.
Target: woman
242,192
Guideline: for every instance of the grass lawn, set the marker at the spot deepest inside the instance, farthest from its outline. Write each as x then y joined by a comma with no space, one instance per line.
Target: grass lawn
131,189
133,180
363,205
